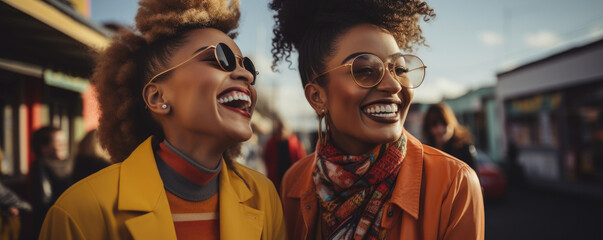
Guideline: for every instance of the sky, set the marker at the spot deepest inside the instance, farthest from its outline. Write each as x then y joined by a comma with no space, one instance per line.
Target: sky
470,41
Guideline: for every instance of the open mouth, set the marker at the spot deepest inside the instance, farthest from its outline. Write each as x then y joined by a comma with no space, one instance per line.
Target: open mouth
386,112
236,99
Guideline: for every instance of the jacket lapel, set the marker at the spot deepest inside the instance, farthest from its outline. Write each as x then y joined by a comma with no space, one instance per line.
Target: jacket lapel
141,190
237,220
407,192
306,193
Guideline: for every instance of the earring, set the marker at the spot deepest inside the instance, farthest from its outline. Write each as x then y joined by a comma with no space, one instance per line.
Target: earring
321,139
164,106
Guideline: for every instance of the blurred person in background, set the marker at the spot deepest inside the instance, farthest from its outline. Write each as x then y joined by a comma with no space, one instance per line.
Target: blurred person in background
176,99
251,151
90,158
442,130
11,206
368,178
50,172
281,151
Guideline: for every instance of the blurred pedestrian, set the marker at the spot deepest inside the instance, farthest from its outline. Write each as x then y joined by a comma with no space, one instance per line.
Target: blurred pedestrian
11,207
251,151
90,158
368,178
50,172
442,130
176,100
281,151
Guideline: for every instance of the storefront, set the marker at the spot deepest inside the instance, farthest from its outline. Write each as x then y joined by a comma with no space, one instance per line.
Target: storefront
553,113
46,57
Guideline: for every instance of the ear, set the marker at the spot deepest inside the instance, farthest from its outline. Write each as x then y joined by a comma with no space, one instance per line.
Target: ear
316,96
154,98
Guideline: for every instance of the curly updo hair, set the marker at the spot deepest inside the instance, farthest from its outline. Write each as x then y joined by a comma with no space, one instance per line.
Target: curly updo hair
312,26
135,56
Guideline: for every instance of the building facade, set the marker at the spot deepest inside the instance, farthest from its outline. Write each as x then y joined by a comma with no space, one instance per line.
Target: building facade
553,114
46,56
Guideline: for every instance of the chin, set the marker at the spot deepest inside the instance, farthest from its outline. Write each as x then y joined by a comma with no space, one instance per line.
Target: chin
386,135
240,135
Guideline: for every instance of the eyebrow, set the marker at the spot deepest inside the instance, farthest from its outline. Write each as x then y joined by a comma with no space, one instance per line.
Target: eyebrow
395,55
353,55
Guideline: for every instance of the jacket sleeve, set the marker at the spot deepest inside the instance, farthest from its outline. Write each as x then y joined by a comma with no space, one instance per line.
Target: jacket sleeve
60,225
464,207
9,199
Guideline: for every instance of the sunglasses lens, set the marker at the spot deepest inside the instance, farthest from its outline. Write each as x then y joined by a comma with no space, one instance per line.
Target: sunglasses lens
416,71
226,57
248,64
367,70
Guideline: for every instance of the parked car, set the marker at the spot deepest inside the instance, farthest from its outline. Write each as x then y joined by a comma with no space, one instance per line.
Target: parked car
491,177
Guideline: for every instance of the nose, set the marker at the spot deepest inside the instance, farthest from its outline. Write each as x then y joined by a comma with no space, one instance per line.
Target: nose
389,84
240,73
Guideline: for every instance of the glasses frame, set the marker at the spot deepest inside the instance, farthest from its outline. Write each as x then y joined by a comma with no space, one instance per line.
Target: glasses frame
390,70
237,57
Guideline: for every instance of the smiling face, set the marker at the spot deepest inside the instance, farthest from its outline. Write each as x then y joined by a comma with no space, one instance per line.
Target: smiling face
361,118
203,99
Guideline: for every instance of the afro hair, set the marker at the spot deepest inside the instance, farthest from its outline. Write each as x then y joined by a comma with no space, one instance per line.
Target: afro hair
123,68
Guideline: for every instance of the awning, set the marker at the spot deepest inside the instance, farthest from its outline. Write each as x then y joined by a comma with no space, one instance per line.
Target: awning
53,17
51,37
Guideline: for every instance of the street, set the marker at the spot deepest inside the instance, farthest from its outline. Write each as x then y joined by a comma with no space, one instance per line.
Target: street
537,214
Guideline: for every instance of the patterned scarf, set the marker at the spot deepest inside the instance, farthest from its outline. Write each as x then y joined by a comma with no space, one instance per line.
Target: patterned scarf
353,189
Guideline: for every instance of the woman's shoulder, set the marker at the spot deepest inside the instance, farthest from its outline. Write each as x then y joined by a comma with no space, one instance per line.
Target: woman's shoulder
256,181
297,176
435,159
302,164
250,174
99,187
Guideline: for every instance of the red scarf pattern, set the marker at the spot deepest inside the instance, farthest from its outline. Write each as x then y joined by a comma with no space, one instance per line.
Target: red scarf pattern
353,189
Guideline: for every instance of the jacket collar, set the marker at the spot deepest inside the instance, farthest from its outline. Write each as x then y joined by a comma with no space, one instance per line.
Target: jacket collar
306,185
237,218
140,184
141,190
407,192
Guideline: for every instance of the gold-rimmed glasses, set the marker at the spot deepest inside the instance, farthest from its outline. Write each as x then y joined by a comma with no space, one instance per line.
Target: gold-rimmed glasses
368,70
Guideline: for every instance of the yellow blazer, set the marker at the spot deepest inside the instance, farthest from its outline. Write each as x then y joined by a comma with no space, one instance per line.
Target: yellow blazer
127,201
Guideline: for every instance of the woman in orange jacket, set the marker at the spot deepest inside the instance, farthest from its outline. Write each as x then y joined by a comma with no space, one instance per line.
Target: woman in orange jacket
176,99
368,178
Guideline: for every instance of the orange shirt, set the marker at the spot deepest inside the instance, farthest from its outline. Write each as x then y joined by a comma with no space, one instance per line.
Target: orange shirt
195,219
436,197
192,219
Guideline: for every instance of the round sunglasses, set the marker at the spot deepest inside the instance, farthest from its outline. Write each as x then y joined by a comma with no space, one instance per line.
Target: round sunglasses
225,57
368,70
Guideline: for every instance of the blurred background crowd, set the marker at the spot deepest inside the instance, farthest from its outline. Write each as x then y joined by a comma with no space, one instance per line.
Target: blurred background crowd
514,89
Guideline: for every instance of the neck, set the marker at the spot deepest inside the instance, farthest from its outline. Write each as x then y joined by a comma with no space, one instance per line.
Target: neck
349,144
204,150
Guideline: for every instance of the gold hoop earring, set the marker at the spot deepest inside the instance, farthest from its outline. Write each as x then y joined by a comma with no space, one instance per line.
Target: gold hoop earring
321,139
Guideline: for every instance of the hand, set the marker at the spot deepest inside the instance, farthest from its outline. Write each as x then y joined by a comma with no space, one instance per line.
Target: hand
13,211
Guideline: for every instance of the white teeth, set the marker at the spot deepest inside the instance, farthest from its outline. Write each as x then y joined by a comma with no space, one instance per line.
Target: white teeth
382,110
232,96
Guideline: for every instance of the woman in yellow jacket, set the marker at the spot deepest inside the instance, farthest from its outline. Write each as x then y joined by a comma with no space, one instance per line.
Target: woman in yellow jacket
177,178
368,178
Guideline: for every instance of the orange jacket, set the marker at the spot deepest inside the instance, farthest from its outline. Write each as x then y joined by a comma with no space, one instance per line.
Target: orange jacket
436,197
